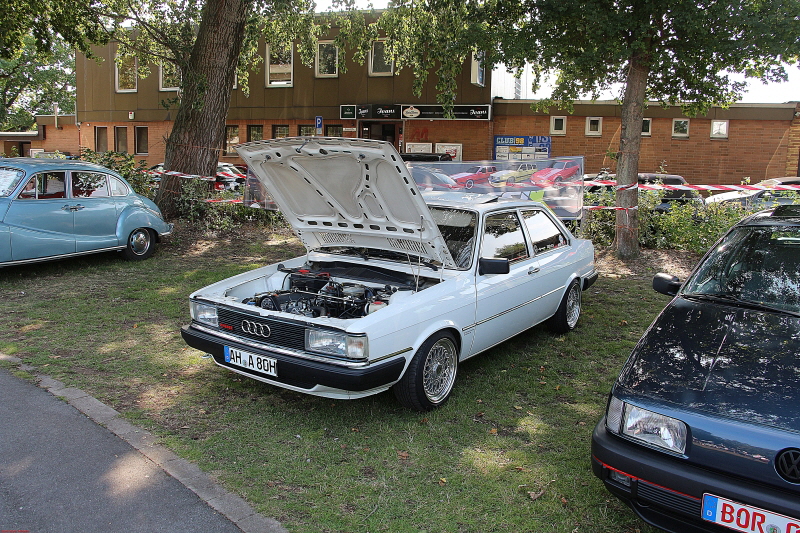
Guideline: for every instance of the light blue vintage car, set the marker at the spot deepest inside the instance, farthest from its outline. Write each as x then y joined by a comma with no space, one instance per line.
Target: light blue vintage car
55,208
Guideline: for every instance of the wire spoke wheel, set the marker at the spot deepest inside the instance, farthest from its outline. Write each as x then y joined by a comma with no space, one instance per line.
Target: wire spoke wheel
573,306
439,372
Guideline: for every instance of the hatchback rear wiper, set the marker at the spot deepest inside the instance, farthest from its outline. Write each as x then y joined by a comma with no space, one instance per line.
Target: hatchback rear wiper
730,299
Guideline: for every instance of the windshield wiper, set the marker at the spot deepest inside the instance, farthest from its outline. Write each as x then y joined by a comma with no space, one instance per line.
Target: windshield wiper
731,299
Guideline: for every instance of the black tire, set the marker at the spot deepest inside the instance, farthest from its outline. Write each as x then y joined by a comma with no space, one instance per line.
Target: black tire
140,245
431,375
566,318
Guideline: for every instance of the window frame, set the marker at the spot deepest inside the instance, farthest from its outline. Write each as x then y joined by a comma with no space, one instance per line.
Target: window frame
680,135
478,70
649,131
317,72
329,127
522,231
117,129
251,128
161,86
269,82
372,72
135,77
275,131
553,130
136,144
301,127
229,150
589,132
97,130
720,135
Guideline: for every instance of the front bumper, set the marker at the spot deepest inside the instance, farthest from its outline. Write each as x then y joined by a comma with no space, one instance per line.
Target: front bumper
667,491
296,373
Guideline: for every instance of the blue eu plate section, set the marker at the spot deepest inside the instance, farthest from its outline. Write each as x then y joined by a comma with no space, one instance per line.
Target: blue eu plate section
227,354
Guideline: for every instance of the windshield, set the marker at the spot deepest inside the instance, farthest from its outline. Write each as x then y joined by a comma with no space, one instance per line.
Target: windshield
9,179
759,265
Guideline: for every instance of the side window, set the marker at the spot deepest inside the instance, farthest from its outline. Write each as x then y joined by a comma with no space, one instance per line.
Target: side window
89,185
118,188
544,234
45,186
503,237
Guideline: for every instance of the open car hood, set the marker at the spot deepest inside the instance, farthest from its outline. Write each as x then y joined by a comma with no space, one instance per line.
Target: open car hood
347,192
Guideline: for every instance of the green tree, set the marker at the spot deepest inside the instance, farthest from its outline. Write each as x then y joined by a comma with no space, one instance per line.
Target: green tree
213,45
33,81
672,51
78,22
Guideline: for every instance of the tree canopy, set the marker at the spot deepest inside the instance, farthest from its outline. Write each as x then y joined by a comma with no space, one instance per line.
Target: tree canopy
33,81
671,51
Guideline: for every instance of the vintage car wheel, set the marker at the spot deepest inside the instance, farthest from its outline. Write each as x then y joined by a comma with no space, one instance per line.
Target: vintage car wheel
566,318
469,184
430,377
141,245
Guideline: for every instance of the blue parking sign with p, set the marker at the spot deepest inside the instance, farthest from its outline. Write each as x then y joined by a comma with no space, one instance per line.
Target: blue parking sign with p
318,125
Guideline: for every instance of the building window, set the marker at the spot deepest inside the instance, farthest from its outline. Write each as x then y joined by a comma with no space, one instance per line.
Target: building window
380,64
100,139
231,139
647,127
594,126
168,78
121,139
280,131
141,140
558,125
327,62
478,72
680,127
334,131
280,68
255,133
125,74
719,129
307,130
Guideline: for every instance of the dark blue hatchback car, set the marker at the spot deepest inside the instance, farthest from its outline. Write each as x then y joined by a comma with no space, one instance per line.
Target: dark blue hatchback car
702,428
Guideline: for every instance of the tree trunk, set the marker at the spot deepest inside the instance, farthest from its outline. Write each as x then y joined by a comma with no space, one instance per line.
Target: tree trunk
198,134
627,233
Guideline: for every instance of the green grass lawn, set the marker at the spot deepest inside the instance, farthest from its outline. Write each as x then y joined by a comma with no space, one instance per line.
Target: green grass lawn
509,452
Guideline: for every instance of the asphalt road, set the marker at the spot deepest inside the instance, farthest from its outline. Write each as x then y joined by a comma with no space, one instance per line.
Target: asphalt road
61,472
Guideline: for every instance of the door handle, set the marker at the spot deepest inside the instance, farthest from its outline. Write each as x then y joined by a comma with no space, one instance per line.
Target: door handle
533,270
78,207
66,208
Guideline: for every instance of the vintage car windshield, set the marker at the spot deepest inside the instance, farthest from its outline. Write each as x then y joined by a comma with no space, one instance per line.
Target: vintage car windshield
457,227
9,179
754,265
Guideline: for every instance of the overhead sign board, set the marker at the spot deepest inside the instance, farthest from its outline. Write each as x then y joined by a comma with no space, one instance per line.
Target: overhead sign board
521,147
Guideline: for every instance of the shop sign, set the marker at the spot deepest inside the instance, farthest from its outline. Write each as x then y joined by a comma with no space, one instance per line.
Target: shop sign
521,147
353,112
436,112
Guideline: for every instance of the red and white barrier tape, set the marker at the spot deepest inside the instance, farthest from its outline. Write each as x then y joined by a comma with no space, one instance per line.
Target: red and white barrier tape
208,178
685,187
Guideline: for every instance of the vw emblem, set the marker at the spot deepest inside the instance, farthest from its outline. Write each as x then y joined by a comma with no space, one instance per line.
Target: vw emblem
256,328
788,465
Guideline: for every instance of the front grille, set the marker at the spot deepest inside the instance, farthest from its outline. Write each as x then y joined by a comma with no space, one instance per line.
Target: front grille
282,334
649,493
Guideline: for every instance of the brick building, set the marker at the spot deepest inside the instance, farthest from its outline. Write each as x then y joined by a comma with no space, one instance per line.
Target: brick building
118,111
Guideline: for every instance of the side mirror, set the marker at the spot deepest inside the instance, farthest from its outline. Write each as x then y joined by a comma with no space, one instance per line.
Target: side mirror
493,266
666,284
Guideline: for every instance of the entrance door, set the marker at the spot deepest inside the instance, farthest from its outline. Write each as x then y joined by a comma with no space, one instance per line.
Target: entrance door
381,131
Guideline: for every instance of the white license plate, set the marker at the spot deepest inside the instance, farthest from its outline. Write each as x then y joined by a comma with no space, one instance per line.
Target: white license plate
251,361
741,517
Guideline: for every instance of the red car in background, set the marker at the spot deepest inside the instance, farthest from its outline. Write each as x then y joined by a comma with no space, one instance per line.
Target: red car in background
561,171
478,174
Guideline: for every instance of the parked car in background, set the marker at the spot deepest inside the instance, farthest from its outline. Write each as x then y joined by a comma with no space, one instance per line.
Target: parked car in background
475,175
520,172
428,179
702,427
425,156
228,177
57,208
561,171
761,199
668,198
396,289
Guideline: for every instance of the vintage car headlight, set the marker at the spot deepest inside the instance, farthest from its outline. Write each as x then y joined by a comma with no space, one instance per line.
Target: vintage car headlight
207,314
646,426
335,343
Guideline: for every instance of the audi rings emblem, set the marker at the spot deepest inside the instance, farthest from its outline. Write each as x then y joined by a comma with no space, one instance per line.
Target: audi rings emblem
256,328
